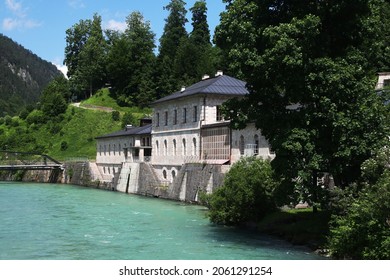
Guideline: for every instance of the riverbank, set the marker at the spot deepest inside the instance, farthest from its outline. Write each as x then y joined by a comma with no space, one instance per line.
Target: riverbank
299,227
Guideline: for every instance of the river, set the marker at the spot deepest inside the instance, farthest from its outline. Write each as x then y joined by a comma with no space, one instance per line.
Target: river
52,221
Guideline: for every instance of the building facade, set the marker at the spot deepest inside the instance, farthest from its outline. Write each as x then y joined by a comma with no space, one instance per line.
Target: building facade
132,144
188,127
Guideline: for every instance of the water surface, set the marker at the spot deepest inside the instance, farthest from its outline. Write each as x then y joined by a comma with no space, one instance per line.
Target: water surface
51,221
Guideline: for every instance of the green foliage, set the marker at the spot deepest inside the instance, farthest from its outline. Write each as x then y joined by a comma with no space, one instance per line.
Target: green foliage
23,76
131,63
246,195
364,231
64,146
85,56
36,117
115,116
311,78
128,119
174,33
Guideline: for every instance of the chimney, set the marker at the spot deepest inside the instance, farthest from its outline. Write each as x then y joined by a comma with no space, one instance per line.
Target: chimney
128,126
219,73
205,77
183,88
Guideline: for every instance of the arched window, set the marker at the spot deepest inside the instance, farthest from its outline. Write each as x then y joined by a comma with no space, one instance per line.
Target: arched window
194,153
157,148
173,174
242,145
164,174
184,151
165,148
174,147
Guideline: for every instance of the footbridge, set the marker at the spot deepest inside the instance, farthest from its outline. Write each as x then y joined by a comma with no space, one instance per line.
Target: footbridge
10,160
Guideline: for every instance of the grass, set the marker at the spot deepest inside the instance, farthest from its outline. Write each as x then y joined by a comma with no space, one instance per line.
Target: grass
72,135
298,226
104,98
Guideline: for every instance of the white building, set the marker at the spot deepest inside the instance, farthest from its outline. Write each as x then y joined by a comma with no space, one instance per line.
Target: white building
132,144
188,127
383,80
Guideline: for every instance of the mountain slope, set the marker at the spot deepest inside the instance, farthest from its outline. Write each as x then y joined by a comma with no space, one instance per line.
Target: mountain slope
23,75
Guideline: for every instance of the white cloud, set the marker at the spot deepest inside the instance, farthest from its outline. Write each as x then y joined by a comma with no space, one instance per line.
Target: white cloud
16,8
16,23
116,25
76,4
58,63
20,19
63,69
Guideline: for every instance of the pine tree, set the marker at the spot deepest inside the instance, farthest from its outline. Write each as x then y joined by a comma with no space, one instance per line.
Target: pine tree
174,32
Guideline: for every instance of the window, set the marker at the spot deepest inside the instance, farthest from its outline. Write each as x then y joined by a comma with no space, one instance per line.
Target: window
157,148
157,119
386,83
166,118
175,116
165,148
256,151
184,115
173,174
194,152
219,113
184,152
242,145
164,174
195,116
174,147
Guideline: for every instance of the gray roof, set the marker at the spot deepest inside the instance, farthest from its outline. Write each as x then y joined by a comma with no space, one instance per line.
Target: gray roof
132,131
221,85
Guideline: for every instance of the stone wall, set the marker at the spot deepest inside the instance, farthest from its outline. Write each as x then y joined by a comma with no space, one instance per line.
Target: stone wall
38,176
79,173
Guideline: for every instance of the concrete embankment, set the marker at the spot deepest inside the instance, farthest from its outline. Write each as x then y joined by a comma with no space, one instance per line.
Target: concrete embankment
38,176
133,178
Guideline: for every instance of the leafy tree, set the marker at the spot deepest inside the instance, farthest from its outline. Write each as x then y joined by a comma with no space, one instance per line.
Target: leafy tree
194,54
311,84
132,62
246,194
85,55
52,101
128,119
364,231
174,32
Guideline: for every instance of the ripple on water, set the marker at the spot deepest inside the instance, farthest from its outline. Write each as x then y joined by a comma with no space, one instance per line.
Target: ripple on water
66,222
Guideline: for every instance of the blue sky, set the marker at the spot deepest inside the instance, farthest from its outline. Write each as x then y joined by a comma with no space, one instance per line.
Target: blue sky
40,25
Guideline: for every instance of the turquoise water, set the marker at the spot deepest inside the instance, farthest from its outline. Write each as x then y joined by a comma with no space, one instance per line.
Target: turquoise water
49,221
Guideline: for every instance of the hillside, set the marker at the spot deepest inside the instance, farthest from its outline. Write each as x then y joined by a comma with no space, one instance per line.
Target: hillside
23,75
69,135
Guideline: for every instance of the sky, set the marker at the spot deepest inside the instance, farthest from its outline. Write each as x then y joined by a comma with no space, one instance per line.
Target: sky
40,25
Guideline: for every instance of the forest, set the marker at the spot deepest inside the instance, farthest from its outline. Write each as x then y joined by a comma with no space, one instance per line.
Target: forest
23,76
310,67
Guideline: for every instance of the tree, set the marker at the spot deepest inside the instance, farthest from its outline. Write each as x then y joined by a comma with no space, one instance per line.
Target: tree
85,55
364,231
246,194
52,102
131,62
311,83
194,54
174,32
